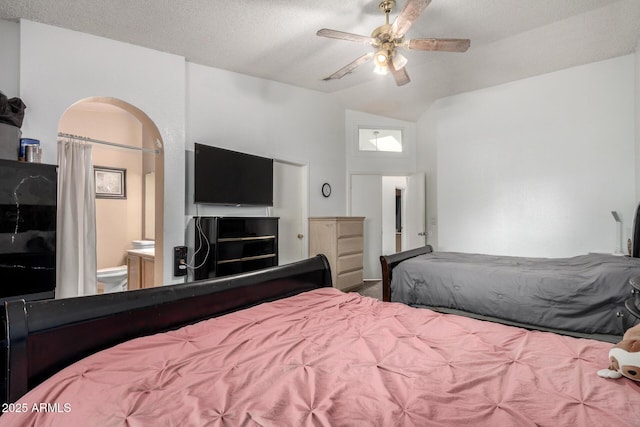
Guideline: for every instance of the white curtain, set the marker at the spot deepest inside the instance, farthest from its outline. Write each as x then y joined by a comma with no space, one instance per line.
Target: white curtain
76,232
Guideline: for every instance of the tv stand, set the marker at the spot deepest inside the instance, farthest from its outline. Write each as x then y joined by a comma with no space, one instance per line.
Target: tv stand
236,245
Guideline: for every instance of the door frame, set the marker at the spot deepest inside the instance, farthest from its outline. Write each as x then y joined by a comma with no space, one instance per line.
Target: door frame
405,195
304,208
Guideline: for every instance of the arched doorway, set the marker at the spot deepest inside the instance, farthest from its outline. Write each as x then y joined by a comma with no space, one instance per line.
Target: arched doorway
138,217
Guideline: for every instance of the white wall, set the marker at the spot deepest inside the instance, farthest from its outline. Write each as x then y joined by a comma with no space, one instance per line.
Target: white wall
535,167
637,114
427,160
376,162
268,119
9,54
188,103
59,67
367,202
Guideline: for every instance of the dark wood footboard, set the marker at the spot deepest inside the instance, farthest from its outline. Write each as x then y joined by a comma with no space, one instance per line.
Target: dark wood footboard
42,337
389,262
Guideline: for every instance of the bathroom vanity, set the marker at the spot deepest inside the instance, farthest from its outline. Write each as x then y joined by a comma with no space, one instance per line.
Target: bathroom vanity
140,264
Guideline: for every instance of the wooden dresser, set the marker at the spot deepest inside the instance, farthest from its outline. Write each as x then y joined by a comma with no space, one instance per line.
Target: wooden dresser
341,240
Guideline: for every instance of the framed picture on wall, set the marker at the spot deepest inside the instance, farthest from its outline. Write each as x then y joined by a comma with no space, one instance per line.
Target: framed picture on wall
111,183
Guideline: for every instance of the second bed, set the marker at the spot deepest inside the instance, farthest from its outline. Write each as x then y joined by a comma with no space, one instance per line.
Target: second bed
582,295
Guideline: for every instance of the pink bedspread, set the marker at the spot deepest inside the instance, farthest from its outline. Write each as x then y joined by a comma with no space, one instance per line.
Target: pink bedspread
334,359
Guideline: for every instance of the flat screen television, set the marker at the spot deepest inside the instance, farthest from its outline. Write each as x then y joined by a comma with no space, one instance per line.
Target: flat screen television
226,177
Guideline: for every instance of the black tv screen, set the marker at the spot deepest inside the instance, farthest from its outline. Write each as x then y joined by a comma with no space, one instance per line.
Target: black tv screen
226,177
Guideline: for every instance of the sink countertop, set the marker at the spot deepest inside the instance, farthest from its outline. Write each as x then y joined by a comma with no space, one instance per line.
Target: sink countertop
142,252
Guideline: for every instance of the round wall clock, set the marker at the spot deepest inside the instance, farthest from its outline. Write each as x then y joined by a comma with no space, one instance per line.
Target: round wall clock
326,189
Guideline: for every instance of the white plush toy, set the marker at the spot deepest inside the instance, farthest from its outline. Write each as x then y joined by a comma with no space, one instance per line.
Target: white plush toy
625,357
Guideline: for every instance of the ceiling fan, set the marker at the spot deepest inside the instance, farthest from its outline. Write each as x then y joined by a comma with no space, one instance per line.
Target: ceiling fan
388,38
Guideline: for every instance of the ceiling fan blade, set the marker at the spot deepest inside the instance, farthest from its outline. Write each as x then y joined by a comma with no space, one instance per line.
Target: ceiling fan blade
442,45
350,67
400,76
412,11
341,35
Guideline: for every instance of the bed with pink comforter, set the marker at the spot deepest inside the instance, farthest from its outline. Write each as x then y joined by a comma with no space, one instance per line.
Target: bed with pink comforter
333,359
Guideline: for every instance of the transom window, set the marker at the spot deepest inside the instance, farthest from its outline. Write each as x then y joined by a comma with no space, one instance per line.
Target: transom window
376,139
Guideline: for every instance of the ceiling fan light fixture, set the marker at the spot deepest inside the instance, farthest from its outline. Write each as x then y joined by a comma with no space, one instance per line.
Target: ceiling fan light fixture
381,69
381,58
399,61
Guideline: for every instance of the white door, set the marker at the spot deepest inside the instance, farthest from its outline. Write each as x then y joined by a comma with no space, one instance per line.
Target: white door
366,201
414,234
289,203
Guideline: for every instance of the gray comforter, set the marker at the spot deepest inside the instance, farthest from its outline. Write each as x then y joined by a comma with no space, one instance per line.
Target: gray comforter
580,294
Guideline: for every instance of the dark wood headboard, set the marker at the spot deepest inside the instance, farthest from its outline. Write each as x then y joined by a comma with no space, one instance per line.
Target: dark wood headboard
42,337
635,238
389,262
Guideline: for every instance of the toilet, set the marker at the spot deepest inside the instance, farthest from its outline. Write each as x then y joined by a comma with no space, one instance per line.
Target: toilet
114,279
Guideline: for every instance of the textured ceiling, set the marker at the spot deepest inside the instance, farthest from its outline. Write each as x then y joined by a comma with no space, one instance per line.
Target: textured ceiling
275,40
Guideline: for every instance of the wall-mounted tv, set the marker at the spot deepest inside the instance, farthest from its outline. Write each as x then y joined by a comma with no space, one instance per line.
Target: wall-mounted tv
226,177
